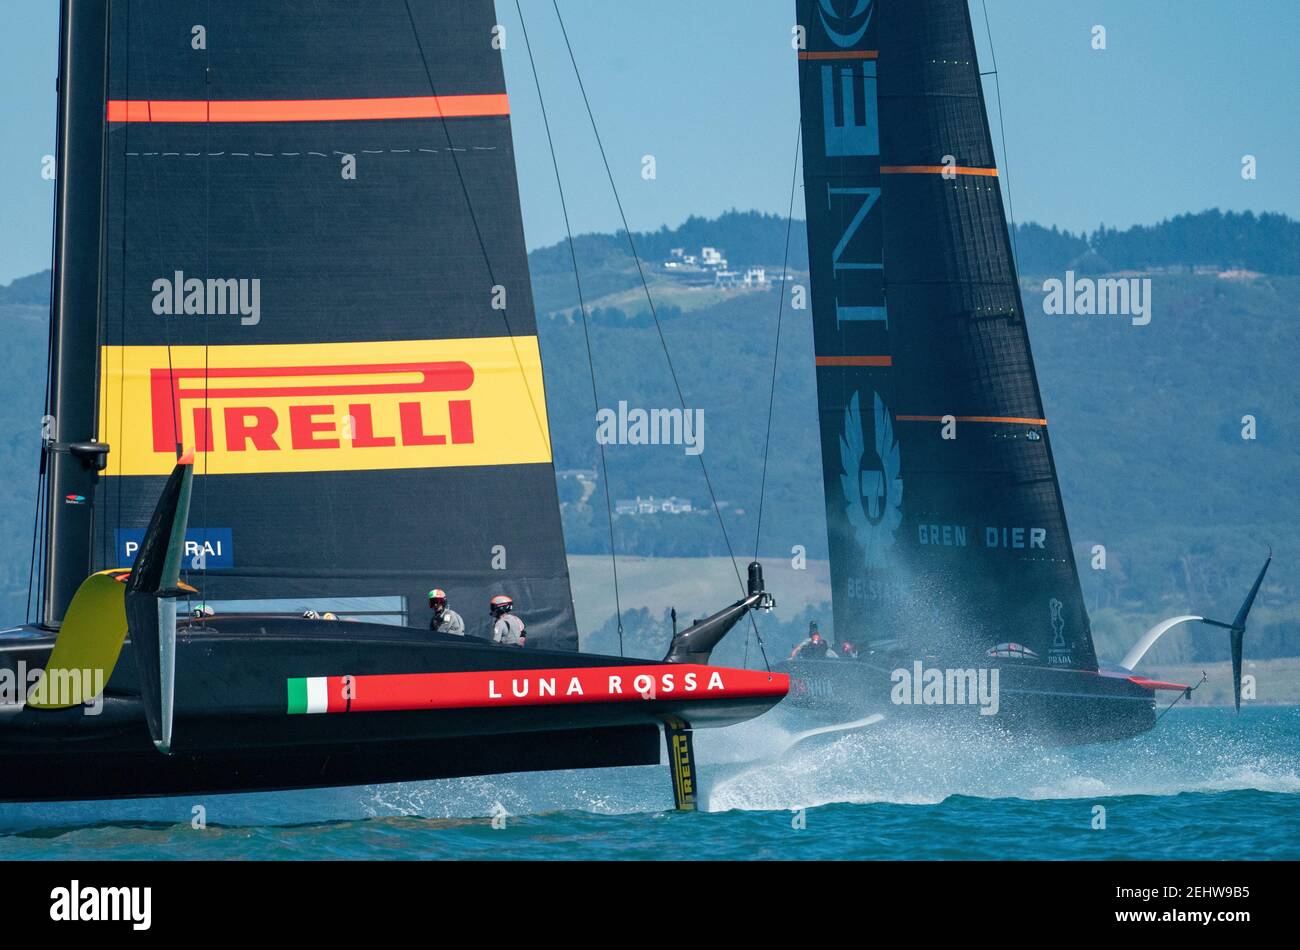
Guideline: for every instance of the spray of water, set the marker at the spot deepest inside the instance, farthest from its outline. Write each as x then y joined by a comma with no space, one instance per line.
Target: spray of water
752,768
924,763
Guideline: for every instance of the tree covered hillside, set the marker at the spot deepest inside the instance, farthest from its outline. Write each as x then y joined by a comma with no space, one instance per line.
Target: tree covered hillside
1146,421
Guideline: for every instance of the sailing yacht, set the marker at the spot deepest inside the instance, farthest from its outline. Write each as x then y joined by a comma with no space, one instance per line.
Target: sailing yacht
294,370
949,550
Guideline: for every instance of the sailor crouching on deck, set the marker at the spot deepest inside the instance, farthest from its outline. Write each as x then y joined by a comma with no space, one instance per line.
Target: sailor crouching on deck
506,627
814,647
444,620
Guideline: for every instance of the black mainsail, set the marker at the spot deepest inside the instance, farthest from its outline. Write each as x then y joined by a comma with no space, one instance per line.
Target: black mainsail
314,273
946,524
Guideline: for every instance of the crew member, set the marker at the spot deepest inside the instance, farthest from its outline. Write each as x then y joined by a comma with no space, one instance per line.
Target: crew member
848,650
444,620
506,627
813,647
202,610
310,614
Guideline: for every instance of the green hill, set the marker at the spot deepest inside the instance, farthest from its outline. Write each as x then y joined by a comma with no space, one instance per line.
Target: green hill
1266,243
1146,421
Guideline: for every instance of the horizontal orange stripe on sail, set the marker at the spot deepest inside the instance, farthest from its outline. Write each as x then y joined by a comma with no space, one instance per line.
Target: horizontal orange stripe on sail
855,361
306,110
840,54
1009,419
936,170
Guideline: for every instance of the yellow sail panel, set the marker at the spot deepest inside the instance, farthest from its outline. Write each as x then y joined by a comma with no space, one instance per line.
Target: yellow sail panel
325,406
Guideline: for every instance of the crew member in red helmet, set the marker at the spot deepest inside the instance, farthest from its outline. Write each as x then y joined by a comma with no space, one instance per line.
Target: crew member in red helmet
813,647
444,619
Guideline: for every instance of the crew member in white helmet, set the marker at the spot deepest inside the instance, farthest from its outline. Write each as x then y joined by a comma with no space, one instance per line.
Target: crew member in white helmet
506,627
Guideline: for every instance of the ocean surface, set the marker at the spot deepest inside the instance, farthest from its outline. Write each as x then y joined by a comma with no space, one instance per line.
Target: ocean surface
1205,784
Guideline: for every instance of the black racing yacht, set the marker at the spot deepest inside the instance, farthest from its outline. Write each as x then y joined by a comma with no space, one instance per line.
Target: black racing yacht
950,556
294,383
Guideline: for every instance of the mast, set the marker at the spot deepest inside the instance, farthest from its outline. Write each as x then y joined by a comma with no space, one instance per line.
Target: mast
73,463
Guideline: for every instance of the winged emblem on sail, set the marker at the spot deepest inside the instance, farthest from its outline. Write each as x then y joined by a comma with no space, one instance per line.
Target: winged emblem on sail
853,29
872,485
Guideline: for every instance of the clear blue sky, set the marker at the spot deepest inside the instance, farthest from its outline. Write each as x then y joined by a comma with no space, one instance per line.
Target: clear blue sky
1153,126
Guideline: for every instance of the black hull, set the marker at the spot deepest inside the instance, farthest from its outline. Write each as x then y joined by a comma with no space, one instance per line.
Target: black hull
131,768
1059,707
233,732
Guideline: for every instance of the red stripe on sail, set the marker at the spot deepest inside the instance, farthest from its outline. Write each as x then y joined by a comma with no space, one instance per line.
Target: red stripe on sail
840,54
937,170
1009,420
307,110
854,361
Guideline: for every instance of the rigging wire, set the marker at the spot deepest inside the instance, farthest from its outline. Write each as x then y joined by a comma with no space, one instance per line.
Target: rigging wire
1186,694
156,193
43,461
42,465
653,313
101,268
101,327
776,348
582,306
1006,160
43,477
207,255
121,313
36,525
538,416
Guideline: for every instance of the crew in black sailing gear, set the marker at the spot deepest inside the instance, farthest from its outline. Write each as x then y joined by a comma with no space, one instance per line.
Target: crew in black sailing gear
848,650
506,628
444,620
814,647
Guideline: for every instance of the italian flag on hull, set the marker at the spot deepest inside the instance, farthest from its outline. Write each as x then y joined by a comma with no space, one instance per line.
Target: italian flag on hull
308,695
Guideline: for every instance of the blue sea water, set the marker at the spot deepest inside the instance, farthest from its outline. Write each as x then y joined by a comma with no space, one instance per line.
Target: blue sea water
1205,784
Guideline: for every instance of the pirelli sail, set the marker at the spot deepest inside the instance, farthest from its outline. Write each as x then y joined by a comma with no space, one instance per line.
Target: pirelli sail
314,276
946,525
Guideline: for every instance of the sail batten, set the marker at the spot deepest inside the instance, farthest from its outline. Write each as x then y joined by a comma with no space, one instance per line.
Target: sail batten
946,526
